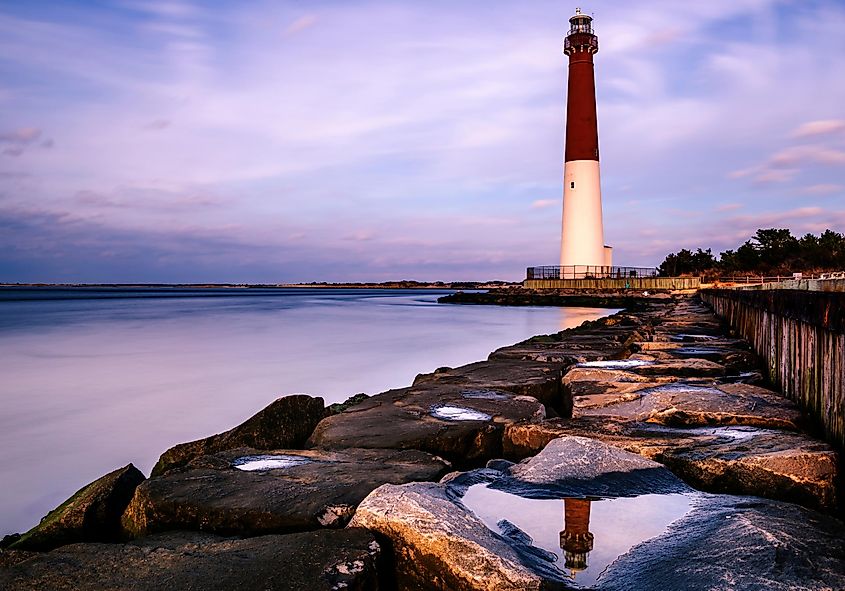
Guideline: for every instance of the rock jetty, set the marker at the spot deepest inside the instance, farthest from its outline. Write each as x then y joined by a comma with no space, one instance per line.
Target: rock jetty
639,451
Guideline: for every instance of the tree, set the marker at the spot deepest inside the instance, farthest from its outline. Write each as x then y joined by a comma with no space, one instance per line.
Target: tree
776,247
771,250
686,262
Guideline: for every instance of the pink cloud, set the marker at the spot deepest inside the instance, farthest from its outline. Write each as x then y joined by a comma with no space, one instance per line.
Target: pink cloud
300,24
822,127
544,203
23,135
823,189
729,207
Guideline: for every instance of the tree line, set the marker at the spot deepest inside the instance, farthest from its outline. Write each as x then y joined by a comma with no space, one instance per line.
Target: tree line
773,251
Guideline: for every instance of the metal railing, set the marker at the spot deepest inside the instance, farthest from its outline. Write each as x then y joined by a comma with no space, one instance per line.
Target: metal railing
589,272
752,279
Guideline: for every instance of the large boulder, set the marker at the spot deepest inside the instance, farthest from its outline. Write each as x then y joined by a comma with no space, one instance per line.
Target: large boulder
284,424
691,405
249,492
737,460
524,378
92,514
325,560
438,545
737,543
460,423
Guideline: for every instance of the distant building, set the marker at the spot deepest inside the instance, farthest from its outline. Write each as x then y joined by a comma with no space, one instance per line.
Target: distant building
582,250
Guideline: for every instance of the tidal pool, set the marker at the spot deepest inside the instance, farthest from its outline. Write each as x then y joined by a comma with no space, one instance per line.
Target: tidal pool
484,395
448,412
586,535
268,462
616,364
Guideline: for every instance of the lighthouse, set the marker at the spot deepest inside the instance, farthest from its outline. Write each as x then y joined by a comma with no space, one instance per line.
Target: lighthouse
582,249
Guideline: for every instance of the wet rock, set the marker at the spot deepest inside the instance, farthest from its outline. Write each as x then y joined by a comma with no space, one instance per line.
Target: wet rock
572,465
247,492
312,561
286,423
92,514
687,368
737,543
402,419
737,460
438,545
690,405
523,378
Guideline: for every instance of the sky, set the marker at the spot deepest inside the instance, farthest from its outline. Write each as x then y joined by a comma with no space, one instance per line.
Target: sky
340,140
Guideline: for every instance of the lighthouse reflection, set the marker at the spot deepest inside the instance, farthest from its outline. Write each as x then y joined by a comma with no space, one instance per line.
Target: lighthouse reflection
576,540
585,534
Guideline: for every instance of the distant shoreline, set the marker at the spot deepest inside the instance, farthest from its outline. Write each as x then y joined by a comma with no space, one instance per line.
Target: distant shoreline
385,285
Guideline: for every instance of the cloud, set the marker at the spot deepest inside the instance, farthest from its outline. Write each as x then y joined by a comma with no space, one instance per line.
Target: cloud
729,207
816,128
157,124
435,127
823,189
302,23
23,135
360,236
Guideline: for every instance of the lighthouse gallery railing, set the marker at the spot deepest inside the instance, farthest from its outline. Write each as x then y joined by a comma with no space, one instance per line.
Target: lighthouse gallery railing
589,272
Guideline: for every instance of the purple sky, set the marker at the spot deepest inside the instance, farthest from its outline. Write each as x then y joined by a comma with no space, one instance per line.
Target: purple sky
358,140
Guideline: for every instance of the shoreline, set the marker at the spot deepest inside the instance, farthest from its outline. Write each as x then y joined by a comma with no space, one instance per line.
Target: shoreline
660,387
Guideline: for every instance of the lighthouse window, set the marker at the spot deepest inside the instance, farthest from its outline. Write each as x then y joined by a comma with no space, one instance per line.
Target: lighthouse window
572,185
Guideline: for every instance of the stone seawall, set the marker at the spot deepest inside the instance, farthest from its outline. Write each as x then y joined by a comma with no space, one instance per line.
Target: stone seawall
801,337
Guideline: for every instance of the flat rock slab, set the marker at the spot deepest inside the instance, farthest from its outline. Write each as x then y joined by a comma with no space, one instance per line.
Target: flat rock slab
92,514
405,419
439,543
738,460
669,366
319,561
247,492
692,405
521,377
286,423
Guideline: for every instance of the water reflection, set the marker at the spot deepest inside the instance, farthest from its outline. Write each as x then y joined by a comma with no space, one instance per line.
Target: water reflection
93,379
586,534
576,541
574,316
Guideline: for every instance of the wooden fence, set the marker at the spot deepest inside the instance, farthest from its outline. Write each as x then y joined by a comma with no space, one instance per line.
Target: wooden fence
801,335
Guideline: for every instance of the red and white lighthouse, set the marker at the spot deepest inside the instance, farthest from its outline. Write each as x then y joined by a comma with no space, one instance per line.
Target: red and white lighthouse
582,246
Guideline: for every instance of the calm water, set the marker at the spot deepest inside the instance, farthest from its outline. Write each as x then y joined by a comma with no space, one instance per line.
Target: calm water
617,525
93,379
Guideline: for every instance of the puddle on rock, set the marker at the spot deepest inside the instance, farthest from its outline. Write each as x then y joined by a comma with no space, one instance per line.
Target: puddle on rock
484,395
732,433
586,535
448,412
268,462
615,364
680,387
697,351
686,337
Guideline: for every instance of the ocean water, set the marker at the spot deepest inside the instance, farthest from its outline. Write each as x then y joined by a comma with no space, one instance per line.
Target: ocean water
93,379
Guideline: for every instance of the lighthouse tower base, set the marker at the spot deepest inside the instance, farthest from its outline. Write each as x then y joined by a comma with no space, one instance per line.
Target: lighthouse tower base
582,234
